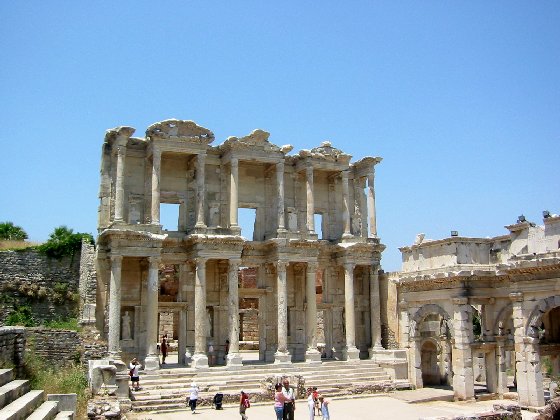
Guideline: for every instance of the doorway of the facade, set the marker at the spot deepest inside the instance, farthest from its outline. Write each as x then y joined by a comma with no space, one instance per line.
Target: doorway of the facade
429,364
251,342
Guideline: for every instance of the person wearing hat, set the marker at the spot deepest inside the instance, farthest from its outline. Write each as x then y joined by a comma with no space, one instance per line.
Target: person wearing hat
134,373
193,397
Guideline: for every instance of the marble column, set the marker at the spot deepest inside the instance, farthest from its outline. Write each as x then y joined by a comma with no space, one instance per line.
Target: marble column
182,297
375,310
151,320
312,355
233,357
310,200
350,351
501,366
200,190
491,371
282,354
115,308
463,375
233,193
200,358
372,224
345,205
362,203
119,184
280,188
156,172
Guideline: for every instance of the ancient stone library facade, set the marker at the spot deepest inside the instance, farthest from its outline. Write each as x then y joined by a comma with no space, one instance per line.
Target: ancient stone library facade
314,247
307,286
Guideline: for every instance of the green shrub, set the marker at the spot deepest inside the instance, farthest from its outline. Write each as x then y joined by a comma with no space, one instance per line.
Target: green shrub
63,324
64,242
21,316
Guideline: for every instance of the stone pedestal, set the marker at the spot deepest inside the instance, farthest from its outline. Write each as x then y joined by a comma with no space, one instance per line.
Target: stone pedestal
200,361
234,360
350,353
394,362
312,356
151,362
282,358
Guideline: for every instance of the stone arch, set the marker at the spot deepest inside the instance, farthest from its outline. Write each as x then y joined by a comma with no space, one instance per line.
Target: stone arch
430,351
423,312
504,317
541,307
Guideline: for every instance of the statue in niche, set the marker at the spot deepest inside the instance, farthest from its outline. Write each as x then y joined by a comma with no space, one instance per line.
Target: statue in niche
126,326
357,222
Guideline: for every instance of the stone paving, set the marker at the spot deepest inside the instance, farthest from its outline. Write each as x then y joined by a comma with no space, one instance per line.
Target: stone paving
367,408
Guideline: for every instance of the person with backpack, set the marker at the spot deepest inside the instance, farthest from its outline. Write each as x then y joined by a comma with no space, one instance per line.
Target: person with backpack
244,404
134,373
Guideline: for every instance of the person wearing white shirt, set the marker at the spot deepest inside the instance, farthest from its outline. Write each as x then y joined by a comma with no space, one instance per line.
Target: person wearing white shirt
290,403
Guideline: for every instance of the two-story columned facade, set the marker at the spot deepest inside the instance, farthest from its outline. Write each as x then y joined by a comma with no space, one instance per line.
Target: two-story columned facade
315,247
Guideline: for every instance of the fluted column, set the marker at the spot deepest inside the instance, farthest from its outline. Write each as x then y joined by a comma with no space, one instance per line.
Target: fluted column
282,355
152,359
350,352
233,357
115,307
280,188
371,206
375,309
200,359
156,172
311,354
200,191
310,200
233,194
119,185
345,203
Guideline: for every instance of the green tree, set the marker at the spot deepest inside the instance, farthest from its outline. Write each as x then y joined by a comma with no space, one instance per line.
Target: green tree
10,232
63,241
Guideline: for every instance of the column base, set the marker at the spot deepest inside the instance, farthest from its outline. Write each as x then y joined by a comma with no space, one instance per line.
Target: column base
234,360
115,360
350,353
151,362
312,356
200,361
282,358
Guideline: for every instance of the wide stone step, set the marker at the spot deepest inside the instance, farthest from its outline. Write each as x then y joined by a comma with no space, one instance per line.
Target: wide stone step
23,406
12,391
65,415
46,411
6,375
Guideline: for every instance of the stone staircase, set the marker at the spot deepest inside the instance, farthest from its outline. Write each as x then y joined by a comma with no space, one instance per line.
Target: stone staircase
167,389
18,401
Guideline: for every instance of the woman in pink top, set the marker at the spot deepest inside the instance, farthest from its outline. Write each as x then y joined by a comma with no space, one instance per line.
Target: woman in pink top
279,400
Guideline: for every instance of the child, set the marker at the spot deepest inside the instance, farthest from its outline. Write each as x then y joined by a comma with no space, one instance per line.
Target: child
316,400
324,407
134,373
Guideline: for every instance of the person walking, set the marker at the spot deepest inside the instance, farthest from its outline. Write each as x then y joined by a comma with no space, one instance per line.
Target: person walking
193,397
135,374
244,404
290,403
279,400
163,348
324,407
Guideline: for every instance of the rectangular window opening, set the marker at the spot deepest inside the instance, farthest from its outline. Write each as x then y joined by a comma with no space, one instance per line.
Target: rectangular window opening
318,218
169,216
247,220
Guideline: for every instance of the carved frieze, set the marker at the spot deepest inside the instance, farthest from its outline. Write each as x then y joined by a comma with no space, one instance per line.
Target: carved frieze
180,129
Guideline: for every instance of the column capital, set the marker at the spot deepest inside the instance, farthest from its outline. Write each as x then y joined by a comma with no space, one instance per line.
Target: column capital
516,296
154,259
121,149
312,266
200,262
344,174
280,166
460,301
234,162
233,264
281,266
116,259
349,265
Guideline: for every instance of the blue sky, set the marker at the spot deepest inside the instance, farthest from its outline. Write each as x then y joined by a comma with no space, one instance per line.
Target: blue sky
461,99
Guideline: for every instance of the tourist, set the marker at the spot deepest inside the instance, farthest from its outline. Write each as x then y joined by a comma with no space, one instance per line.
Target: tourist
134,373
226,350
310,404
324,407
316,400
244,404
217,400
279,400
193,397
290,402
163,348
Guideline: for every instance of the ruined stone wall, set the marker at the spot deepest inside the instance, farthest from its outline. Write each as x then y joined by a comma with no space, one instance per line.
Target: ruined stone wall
58,347
12,345
88,281
46,285
388,294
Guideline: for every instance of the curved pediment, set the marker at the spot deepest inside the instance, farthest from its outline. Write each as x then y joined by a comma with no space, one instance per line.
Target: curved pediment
257,140
180,129
326,152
